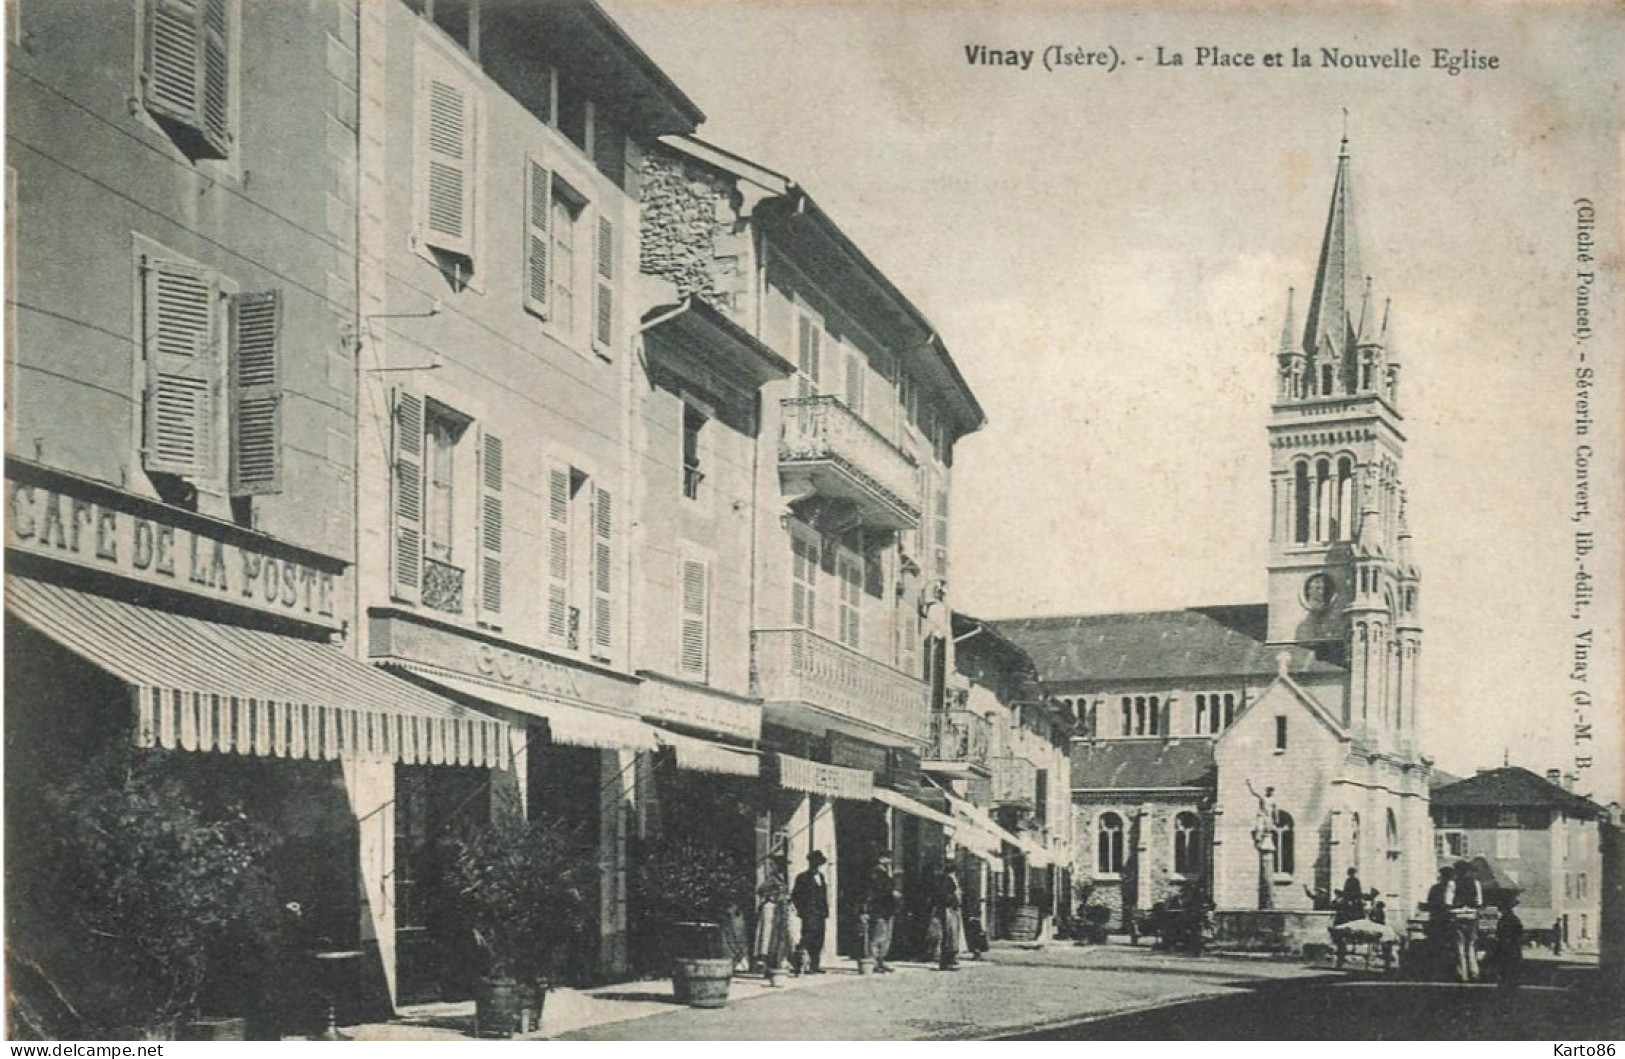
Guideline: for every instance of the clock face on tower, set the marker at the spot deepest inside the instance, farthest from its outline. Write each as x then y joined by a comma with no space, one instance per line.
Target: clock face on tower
1319,592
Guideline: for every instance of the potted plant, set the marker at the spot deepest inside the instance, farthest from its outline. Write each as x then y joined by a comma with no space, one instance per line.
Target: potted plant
690,894
130,888
526,890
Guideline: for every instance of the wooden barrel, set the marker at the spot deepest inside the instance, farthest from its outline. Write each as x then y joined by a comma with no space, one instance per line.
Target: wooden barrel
505,1008
702,983
1024,924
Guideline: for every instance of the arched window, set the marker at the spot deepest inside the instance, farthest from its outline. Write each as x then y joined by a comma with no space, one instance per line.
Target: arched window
1201,714
1139,715
1354,839
1109,845
1323,499
1393,836
1344,530
1300,502
1128,715
1326,379
1154,714
1229,711
1187,856
1285,863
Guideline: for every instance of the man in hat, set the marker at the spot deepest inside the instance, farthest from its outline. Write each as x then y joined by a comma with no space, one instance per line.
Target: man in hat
810,895
1466,896
880,911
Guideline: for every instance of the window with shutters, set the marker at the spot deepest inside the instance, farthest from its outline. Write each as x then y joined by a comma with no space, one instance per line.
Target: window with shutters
188,76
693,634
435,543
855,368
850,569
805,547
582,575
446,161
809,356
212,408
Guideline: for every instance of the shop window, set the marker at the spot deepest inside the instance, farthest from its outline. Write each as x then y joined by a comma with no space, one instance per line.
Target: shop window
194,337
188,78
1109,845
1186,854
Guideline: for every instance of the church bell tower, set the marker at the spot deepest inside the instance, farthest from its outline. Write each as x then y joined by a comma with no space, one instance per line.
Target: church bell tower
1340,573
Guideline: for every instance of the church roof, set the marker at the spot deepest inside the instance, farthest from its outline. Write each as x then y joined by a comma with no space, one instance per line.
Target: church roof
1196,642
1512,787
1140,764
1335,321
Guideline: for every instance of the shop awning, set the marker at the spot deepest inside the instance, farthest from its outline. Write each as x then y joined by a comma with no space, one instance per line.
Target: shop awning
702,755
976,830
576,725
202,685
905,804
1037,856
832,781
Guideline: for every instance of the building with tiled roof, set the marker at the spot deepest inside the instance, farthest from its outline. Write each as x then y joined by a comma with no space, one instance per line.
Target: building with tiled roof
1533,834
1259,751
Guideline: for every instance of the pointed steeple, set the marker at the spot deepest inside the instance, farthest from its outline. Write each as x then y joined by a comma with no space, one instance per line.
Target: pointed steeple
1289,341
1330,330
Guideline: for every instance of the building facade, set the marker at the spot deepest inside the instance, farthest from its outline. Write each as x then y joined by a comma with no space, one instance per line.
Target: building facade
1260,751
181,470
1534,835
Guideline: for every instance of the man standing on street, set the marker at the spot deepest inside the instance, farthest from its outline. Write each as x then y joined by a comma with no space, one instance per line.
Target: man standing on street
880,911
810,895
1466,897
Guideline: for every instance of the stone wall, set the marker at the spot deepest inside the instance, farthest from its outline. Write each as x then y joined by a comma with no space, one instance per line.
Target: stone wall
1281,931
687,226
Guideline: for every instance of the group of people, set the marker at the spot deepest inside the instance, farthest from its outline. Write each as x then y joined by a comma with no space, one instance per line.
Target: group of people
878,912
1453,905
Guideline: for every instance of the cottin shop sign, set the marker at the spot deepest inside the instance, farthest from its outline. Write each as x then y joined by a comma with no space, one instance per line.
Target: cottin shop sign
45,522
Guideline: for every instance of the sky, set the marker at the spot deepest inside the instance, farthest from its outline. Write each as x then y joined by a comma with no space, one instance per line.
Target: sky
1106,254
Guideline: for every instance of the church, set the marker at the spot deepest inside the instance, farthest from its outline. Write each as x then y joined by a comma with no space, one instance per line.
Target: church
1259,751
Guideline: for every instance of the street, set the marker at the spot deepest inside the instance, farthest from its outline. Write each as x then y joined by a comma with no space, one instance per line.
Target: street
1064,992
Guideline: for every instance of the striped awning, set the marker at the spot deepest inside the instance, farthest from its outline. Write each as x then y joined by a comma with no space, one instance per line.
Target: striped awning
702,755
977,831
570,723
832,781
905,804
203,685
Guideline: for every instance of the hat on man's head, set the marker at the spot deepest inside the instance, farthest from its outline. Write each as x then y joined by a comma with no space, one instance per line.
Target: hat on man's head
815,857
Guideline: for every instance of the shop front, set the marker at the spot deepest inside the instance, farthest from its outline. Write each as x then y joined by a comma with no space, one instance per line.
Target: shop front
577,742
184,669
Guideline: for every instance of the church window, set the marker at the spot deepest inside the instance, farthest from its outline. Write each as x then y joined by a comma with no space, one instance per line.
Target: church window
1344,527
1585,927
1128,715
1185,847
1229,711
1323,499
1280,734
1300,502
1109,845
1284,859
1354,839
1201,714
1393,836
1326,379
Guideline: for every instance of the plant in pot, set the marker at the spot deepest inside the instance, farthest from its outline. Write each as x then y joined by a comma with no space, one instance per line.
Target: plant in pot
526,893
690,895
130,888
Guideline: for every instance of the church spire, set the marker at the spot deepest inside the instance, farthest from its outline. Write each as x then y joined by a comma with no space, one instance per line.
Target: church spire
1330,329
1289,342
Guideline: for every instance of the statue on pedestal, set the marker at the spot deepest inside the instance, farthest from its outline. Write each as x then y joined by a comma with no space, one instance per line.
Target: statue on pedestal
1265,826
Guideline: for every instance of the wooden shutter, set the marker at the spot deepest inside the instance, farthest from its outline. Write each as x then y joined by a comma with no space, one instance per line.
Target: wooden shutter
538,240
256,394
692,645
490,530
181,354
604,286
406,559
446,156
603,574
807,355
558,553
804,576
216,88
940,518
854,381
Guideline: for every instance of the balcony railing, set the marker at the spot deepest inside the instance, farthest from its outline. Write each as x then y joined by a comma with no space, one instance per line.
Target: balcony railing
1015,782
442,586
844,457
960,736
795,665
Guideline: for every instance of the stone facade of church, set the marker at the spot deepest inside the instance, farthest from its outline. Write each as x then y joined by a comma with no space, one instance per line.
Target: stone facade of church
1257,752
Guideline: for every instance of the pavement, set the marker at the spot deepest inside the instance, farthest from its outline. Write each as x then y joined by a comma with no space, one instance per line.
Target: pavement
1060,991
1013,989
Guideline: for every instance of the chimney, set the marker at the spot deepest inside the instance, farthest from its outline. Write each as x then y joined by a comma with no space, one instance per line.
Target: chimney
1554,777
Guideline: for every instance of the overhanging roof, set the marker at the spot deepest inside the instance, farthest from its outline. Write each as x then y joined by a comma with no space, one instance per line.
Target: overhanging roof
1512,787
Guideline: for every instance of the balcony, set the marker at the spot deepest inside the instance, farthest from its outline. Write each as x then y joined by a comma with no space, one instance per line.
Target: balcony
838,455
959,743
1015,782
794,670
